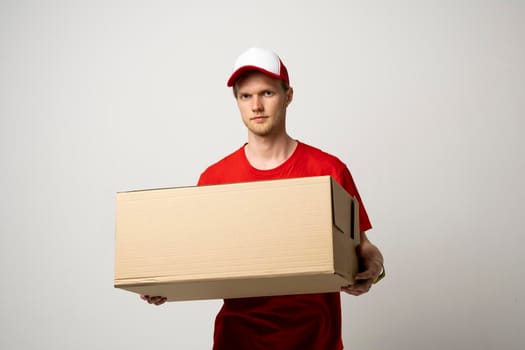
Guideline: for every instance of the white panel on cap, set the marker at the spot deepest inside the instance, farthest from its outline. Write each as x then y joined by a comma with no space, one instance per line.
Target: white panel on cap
264,59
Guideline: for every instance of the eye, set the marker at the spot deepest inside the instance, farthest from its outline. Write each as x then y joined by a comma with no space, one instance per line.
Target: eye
268,93
244,96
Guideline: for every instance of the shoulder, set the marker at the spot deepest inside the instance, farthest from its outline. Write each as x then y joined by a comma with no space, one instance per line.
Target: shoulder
213,174
319,158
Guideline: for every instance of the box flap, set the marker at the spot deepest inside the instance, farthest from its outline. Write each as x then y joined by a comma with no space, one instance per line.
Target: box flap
341,208
345,213
346,231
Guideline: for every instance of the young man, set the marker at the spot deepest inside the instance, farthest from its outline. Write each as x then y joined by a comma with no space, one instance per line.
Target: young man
262,91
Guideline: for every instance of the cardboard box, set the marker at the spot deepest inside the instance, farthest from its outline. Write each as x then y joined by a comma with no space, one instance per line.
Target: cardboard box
277,237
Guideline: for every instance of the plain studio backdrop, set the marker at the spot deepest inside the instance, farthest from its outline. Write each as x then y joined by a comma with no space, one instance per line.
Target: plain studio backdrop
423,100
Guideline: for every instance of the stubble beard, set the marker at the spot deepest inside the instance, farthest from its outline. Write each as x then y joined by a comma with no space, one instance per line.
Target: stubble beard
260,130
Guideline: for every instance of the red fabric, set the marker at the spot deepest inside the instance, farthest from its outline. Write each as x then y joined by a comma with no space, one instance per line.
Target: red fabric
311,321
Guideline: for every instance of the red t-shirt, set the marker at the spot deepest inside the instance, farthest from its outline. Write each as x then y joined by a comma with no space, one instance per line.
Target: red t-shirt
309,321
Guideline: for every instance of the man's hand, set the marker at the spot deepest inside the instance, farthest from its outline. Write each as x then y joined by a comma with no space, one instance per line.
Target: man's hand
370,264
154,300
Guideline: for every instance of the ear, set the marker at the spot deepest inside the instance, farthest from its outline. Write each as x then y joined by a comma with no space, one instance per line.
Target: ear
289,96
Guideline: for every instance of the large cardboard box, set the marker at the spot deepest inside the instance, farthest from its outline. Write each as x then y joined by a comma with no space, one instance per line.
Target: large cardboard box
277,237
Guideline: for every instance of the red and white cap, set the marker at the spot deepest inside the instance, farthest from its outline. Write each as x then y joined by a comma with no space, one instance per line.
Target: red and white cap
261,60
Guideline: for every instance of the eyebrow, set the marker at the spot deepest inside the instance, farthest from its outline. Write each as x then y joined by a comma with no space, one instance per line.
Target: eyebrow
262,91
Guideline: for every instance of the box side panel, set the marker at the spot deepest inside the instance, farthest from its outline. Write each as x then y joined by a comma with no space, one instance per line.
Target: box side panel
214,232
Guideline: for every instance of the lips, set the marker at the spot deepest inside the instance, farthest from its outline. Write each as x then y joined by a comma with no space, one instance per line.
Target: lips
259,118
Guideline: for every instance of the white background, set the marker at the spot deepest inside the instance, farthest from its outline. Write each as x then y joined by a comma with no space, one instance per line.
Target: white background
423,100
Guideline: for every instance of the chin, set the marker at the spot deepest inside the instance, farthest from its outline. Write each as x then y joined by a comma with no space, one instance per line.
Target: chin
262,133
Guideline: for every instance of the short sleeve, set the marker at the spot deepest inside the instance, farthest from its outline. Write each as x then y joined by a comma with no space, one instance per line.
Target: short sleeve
344,178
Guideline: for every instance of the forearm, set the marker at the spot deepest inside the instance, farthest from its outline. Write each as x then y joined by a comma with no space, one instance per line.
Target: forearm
365,245
370,267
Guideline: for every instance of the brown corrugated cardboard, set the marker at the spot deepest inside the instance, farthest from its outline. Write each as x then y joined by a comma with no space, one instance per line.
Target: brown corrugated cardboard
277,237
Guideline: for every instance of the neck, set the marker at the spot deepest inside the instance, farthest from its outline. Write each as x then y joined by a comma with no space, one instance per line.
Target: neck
265,153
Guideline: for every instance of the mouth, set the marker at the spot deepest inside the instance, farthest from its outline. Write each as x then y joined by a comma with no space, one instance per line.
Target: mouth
258,118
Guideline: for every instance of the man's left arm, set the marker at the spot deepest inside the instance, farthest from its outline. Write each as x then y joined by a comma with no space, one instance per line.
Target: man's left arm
370,265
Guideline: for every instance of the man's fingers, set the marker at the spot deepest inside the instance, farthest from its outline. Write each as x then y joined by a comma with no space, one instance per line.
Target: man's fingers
160,300
157,300
154,300
365,275
371,273
358,288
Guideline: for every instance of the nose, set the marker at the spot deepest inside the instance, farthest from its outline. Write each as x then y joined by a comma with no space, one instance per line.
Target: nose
257,103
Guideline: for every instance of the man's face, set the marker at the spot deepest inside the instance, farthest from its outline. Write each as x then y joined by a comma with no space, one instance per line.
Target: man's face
262,102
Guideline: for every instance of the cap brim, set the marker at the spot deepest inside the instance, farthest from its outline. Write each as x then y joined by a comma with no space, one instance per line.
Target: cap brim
235,75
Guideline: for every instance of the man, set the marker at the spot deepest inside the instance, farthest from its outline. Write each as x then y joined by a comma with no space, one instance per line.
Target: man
262,91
